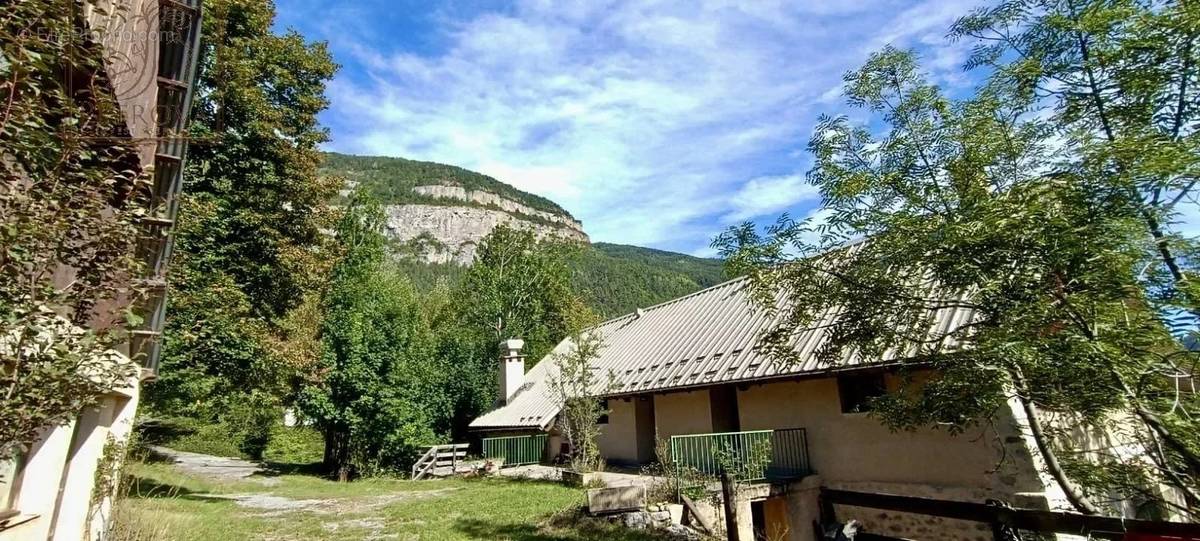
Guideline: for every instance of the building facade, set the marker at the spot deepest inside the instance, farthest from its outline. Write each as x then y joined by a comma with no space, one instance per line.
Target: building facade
687,379
57,489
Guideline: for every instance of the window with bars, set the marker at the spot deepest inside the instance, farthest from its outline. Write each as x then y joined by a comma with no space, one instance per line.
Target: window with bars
176,26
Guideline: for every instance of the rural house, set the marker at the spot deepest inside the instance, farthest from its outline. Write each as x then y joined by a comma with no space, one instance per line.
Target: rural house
687,371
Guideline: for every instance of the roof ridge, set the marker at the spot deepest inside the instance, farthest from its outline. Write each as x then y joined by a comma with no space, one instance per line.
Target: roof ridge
672,301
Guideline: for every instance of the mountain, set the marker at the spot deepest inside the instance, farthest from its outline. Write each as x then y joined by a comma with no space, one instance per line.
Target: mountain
437,214
616,279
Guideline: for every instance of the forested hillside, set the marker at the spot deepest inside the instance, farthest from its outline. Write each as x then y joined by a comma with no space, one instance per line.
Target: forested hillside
612,279
615,279
391,180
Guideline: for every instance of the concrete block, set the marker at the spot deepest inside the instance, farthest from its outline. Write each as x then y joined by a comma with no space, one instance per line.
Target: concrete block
676,511
614,499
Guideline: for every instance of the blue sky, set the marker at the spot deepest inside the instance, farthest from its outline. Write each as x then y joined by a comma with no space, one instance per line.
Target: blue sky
656,123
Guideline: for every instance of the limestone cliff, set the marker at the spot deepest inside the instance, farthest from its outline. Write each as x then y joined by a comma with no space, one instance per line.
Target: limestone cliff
439,233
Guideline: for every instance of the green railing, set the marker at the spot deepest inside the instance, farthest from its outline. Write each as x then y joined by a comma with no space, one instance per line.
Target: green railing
756,455
516,450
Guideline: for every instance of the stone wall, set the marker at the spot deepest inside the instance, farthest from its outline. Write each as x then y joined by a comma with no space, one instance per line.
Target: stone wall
915,526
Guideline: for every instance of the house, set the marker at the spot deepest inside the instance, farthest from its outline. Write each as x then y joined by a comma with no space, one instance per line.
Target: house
687,371
56,489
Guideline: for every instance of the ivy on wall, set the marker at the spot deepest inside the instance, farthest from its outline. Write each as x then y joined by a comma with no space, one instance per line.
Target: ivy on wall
71,192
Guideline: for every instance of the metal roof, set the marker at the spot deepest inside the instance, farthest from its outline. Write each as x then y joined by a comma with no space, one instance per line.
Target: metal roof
702,339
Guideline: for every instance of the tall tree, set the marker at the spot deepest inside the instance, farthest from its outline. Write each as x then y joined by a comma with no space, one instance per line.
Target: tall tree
1121,82
977,206
249,246
377,391
518,287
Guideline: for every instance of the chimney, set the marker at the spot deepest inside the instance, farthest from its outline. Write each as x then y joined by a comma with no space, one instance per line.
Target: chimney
512,369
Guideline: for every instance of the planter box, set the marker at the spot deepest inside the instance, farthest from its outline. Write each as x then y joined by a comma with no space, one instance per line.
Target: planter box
616,499
577,479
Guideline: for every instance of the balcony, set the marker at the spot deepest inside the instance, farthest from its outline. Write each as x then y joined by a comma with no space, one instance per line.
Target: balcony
755,456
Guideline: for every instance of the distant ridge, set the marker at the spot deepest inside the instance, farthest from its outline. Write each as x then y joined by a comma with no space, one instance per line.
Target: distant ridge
392,180
438,213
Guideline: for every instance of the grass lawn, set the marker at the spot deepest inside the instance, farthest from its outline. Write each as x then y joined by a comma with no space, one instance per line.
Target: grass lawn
166,504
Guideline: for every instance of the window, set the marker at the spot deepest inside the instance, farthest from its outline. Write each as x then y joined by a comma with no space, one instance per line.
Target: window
603,420
856,391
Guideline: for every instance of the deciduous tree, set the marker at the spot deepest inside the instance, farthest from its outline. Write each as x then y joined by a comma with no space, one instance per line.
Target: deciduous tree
378,389
979,205
249,247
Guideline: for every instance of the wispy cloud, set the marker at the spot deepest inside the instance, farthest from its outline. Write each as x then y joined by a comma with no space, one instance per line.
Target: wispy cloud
656,123
764,196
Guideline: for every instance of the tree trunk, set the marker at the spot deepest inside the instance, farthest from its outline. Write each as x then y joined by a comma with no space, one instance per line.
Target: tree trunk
729,495
1072,492
337,455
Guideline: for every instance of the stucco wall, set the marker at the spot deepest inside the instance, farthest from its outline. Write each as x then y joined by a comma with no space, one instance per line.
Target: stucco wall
682,413
65,459
858,448
128,32
618,438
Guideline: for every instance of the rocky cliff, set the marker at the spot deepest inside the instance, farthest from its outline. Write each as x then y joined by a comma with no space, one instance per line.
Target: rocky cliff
438,233
439,213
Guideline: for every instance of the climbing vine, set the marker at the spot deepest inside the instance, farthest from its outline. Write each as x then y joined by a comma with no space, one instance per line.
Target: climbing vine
71,193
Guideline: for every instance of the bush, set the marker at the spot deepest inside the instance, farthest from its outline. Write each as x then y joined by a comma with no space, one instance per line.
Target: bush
284,444
191,435
295,445
250,422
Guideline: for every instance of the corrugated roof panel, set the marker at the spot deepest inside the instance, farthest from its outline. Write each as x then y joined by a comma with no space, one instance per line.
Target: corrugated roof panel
689,341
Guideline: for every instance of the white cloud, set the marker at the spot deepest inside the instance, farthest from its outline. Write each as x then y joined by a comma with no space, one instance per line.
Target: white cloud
769,196
656,123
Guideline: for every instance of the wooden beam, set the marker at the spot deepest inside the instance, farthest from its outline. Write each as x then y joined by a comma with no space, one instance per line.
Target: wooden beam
695,511
1025,519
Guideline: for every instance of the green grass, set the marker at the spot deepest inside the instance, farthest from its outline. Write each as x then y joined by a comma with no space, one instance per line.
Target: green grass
173,506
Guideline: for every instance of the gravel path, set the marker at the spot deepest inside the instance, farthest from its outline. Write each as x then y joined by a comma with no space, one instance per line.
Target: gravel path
215,467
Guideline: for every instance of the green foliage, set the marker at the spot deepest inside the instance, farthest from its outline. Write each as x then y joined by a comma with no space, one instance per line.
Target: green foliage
611,279
287,445
616,279
295,445
391,181
249,249
1042,229
573,387
377,396
71,193
520,287
190,435
253,420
